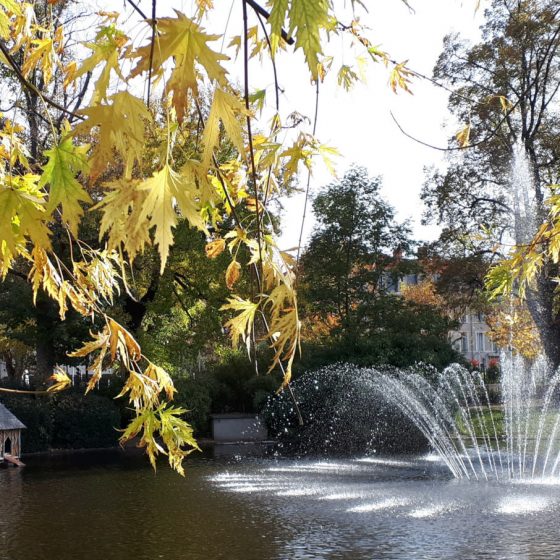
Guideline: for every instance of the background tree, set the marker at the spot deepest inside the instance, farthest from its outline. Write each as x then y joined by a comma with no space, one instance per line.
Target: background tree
92,110
356,249
506,89
351,276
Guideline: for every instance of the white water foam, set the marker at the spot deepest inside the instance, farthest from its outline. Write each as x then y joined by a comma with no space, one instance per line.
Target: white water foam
343,496
390,503
430,511
316,468
253,488
299,492
387,462
514,505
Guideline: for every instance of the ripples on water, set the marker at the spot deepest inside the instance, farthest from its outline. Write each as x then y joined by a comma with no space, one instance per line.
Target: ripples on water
114,507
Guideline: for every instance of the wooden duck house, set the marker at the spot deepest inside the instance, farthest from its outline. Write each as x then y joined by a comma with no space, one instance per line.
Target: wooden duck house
10,437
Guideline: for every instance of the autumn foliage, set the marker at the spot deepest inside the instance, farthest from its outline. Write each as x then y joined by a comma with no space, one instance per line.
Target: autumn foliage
126,91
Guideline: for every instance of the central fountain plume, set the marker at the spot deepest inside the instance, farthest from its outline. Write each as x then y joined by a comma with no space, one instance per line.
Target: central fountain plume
516,440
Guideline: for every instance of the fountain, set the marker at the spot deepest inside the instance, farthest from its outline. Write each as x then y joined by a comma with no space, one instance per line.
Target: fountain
516,440
375,502
365,410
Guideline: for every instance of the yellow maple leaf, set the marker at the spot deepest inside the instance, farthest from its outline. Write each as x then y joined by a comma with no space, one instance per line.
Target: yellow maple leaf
22,216
167,189
241,325
121,125
7,7
122,207
108,44
401,77
226,108
233,272
64,163
60,381
41,55
184,41
463,136
122,341
215,248
306,20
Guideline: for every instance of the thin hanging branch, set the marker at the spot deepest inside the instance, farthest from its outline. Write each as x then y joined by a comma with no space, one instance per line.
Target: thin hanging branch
31,87
308,185
137,9
152,46
250,139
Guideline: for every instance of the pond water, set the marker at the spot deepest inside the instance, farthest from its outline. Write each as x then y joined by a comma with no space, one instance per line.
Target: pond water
112,506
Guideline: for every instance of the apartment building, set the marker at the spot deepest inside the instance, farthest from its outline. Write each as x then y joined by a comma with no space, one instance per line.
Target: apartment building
472,340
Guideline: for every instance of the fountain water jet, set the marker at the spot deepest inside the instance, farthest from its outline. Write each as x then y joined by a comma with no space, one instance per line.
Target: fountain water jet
461,424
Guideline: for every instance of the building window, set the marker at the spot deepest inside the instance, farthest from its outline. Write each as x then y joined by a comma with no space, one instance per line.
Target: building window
481,317
464,342
480,342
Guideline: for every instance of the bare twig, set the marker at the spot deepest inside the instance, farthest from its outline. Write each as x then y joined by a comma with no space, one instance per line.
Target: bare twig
308,185
137,9
250,135
152,46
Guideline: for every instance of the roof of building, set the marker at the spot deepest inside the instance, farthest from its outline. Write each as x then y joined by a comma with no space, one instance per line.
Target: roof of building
8,421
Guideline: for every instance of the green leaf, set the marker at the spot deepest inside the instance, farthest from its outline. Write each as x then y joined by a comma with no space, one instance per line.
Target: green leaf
307,18
65,161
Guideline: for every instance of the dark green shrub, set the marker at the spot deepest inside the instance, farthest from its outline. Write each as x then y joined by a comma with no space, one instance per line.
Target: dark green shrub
194,394
235,385
84,421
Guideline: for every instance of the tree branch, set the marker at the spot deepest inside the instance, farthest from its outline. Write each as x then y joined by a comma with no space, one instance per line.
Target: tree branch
28,85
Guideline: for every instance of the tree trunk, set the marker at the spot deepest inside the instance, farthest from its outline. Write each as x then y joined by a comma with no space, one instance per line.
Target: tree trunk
136,308
542,306
10,367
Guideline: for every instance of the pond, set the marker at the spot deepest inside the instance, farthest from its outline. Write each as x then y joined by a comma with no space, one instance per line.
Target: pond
113,506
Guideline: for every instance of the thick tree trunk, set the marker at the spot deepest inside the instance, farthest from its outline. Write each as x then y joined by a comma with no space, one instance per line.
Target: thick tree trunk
10,367
136,308
543,308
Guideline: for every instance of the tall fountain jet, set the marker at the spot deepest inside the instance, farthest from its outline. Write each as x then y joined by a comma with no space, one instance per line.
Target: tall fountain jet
522,195
516,439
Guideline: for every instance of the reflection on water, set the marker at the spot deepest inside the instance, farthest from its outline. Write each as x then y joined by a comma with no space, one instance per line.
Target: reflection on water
114,507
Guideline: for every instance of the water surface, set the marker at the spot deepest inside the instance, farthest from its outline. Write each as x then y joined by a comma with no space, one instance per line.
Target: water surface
114,507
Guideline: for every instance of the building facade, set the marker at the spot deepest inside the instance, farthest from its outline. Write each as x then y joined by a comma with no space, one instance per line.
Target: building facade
472,340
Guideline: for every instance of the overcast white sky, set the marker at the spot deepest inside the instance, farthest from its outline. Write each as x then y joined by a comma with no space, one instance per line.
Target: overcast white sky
358,123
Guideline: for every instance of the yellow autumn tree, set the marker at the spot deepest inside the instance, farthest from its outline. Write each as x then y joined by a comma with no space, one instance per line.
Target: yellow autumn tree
423,293
94,104
511,326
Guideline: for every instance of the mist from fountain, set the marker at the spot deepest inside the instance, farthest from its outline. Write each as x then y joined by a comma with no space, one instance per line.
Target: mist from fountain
522,199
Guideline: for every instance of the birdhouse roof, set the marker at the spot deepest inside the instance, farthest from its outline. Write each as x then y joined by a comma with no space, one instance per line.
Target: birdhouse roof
8,421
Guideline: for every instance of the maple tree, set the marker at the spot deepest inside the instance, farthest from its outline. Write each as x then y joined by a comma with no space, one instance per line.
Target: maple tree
95,113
